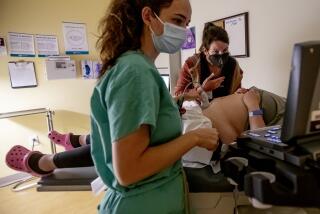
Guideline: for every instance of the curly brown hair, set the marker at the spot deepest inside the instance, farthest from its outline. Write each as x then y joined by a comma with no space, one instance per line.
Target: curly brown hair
121,28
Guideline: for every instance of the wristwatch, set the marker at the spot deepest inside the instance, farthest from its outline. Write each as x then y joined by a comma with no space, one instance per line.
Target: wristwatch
257,112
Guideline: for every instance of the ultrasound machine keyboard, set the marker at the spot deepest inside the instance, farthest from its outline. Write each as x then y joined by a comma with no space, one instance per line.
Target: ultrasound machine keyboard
267,135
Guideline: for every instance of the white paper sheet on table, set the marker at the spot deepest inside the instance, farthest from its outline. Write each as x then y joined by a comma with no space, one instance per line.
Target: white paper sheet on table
194,119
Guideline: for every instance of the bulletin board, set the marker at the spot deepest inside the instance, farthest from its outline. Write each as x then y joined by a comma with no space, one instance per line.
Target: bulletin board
238,31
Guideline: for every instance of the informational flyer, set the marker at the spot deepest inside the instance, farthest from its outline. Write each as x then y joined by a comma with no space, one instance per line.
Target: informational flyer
189,46
75,38
3,49
47,45
190,39
21,44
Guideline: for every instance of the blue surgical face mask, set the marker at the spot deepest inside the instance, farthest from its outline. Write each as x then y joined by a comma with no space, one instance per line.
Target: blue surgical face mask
172,38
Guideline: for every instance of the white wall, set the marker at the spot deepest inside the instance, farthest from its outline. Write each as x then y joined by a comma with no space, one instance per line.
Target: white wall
274,26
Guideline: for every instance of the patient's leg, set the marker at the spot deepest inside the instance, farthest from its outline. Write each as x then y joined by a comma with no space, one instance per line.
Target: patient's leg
34,162
229,115
78,157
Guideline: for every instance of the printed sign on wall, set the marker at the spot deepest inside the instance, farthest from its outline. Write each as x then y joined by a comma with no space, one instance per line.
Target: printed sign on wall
75,38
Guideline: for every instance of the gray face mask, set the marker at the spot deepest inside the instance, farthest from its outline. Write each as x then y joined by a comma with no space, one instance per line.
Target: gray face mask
172,38
219,59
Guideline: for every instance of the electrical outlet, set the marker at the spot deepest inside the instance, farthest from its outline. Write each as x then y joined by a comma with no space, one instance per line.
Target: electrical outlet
34,140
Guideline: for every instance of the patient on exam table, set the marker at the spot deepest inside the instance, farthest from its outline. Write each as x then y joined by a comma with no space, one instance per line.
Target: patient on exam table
229,115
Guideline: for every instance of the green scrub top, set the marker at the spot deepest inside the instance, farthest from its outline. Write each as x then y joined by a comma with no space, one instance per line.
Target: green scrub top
130,94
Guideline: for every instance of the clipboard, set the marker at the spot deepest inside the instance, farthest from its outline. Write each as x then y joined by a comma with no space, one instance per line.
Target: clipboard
22,74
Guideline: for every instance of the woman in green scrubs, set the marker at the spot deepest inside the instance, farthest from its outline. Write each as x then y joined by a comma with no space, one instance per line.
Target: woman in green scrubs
135,124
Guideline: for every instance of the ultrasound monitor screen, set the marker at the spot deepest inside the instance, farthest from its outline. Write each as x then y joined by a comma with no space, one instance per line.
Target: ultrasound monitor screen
302,116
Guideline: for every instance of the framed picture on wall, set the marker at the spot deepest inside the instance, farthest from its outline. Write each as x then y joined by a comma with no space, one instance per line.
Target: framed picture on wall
238,31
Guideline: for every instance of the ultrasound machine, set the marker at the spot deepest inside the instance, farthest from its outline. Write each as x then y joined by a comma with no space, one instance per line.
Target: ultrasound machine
283,162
